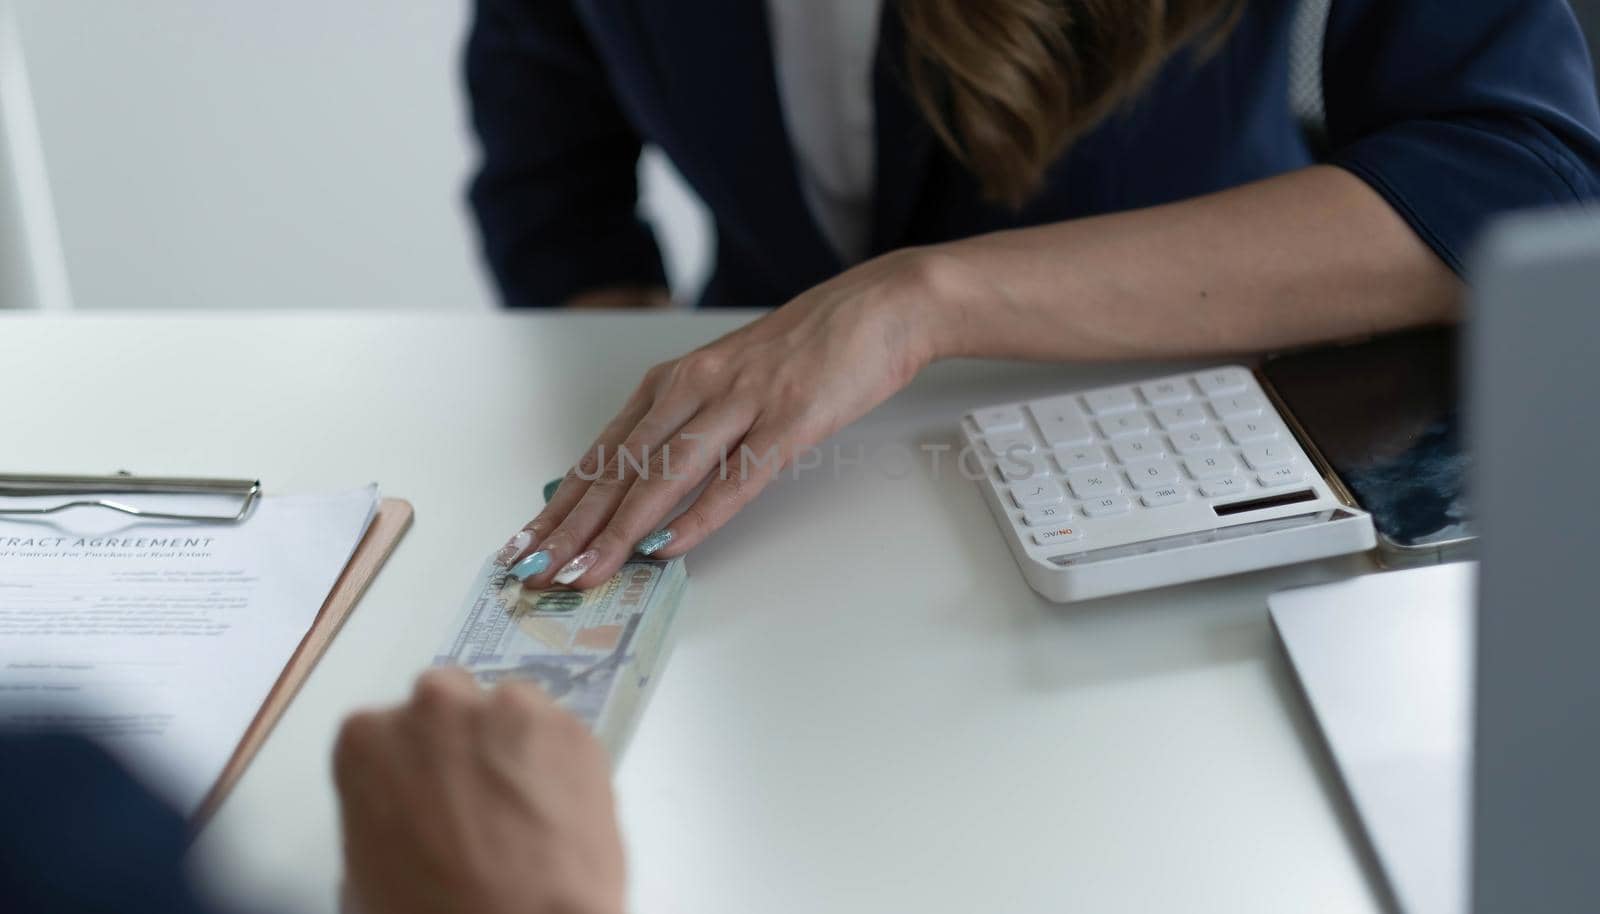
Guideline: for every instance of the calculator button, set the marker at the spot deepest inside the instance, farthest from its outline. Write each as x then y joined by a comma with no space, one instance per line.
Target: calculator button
1043,516
1195,440
1249,431
1088,484
1223,381
1153,474
1210,466
1282,476
1001,444
1080,458
1124,425
997,419
1142,448
1109,402
1036,492
1224,486
1166,495
1058,537
1238,405
1106,506
1267,456
1183,416
1170,390
1061,422
1021,468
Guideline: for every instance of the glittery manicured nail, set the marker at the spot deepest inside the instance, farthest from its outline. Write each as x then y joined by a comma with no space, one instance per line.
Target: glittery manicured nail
514,547
651,544
574,569
531,565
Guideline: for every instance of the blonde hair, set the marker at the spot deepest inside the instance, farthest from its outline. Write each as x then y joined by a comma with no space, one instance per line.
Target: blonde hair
1008,85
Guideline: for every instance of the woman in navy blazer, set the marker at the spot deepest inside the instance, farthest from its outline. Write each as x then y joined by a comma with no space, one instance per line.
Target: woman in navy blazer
1190,219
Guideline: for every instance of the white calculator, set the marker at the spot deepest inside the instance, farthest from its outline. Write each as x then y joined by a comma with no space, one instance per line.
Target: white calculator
1176,479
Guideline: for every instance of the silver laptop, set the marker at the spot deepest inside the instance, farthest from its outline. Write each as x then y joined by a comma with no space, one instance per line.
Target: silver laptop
1490,804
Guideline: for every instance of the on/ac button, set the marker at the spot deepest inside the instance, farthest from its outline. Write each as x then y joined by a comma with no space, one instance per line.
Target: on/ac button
1057,536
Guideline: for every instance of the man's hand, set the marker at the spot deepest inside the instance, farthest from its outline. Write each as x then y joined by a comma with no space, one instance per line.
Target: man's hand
467,800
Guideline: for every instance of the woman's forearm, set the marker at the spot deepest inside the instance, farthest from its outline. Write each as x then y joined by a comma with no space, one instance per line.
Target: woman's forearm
1309,256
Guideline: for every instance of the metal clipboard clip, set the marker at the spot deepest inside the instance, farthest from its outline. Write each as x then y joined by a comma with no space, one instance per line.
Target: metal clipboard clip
89,492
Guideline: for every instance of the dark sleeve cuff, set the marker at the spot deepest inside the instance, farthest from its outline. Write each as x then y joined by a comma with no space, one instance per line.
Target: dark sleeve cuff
1449,178
547,273
78,834
556,195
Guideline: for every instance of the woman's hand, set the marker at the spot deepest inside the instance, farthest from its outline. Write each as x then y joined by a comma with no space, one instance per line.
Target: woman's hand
737,410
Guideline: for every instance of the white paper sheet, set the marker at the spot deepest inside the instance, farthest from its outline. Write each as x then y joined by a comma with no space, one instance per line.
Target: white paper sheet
162,640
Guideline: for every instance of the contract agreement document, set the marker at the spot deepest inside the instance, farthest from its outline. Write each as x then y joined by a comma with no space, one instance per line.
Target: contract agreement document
159,639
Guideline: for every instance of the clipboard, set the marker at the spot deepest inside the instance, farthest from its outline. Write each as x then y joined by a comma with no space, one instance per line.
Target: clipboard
91,492
390,521
389,524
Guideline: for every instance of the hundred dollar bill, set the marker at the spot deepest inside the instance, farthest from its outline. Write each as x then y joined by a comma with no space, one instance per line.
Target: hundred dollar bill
597,652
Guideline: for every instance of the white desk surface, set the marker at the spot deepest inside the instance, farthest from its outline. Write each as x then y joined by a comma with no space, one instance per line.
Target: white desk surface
866,708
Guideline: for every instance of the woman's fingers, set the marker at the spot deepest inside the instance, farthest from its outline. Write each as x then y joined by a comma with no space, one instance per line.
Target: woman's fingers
765,451
524,543
755,396
636,527
590,544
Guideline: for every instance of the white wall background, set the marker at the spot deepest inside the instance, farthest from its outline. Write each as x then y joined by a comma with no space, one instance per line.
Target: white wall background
301,153
32,273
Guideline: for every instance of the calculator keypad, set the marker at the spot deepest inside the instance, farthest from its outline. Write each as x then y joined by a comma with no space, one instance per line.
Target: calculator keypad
1195,440
1142,448
1282,476
1107,506
1091,484
1057,536
1123,425
1222,381
1153,474
998,418
1046,516
1224,486
1121,453
1166,495
1080,458
1110,402
1210,466
1173,418
1060,422
1268,456
1037,492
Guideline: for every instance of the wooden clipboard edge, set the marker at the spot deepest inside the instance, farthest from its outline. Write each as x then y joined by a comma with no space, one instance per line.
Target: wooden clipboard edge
389,524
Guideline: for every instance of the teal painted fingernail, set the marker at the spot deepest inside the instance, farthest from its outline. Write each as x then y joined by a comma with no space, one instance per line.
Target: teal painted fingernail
653,543
531,565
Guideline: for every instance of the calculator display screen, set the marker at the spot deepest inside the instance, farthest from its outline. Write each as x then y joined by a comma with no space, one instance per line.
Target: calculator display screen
1385,414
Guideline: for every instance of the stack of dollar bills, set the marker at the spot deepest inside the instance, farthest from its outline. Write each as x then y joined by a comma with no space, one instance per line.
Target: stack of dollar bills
597,652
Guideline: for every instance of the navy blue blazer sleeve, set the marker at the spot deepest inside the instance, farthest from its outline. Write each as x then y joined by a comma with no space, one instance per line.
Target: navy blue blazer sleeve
1458,110
556,195
77,834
